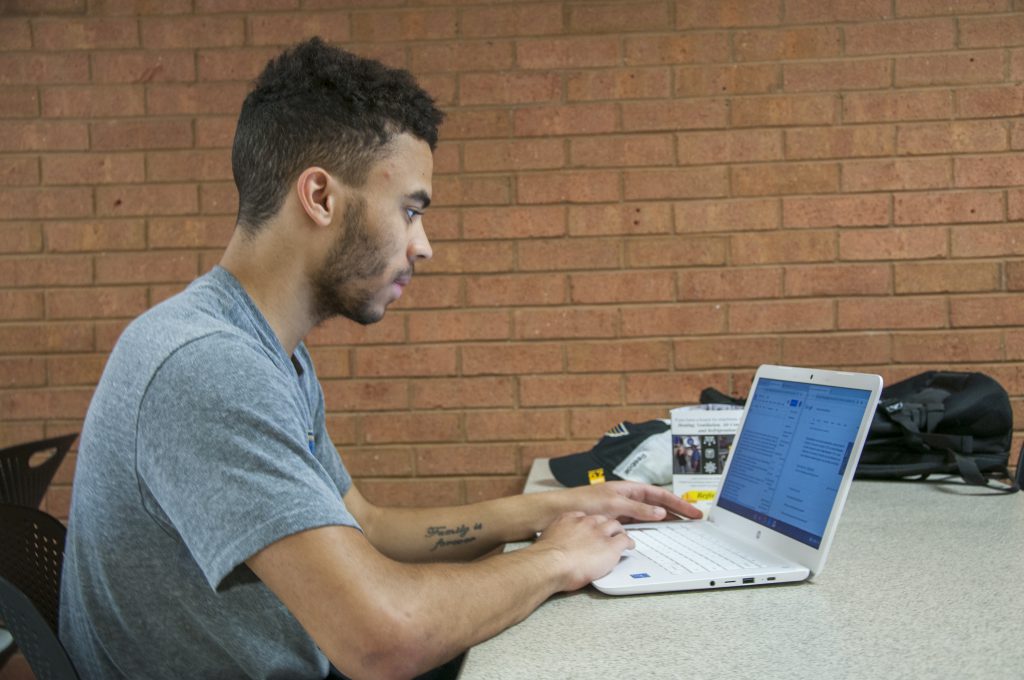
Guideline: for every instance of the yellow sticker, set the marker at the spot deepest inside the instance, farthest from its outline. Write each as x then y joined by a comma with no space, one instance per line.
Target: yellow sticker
694,496
596,476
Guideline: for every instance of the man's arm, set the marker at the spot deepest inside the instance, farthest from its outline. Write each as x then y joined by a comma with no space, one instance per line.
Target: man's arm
469,531
375,617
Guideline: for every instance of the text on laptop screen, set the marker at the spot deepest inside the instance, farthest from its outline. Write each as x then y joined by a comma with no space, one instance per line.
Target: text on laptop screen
791,455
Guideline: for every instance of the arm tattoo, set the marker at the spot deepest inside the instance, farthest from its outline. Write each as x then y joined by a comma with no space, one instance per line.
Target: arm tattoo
446,536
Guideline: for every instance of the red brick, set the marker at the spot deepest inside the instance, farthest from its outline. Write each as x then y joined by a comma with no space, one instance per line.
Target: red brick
989,171
928,7
19,102
175,99
177,166
190,232
515,426
466,460
672,320
830,76
933,207
886,313
733,215
515,222
16,433
730,284
84,34
1017,65
218,6
726,13
20,238
89,236
781,317
404,362
1015,204
730,352
836,349
402,25
511,358
813,109
487,55
996,31
1017,135
516,290
378,462
145,268
991,102
331,362
697,81
287,29
1015,275
785,178
141,134
45,403
22,372
42,136
157,199
469,190
486,22
947,347
39,69
93,303
619,84
818,11
988,310
236,64
616,18
459,325
192,32
770,248
952,137
215,132
572,119
497,256
840,142
950,69
460,124
21,305
869,107
895,243
670,389
840,279
464,393
729,146
988,240
684,48
811,42
620,218
521,154
705,182
579,186
693,251
19,171
560,53
835,211
415,427
53,270
675,115
478,490
366,395
571,322
946,277
412,493
622,151
47,337
619,356
896,175
218,199
509,88
639,286
340,331
889,37
16,34
139,7
93,168
44,203
579,390
103,101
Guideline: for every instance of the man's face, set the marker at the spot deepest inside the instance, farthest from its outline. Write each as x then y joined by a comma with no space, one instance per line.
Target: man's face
380,239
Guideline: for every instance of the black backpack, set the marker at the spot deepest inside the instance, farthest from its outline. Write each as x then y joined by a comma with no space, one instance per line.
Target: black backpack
938,422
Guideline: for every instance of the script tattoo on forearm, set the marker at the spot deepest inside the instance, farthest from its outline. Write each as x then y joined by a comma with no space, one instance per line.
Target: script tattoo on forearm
447,537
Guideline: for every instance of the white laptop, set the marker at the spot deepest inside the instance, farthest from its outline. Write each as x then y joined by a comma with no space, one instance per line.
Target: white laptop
782,491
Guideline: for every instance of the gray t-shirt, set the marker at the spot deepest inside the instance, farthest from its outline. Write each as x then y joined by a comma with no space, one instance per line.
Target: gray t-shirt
204,443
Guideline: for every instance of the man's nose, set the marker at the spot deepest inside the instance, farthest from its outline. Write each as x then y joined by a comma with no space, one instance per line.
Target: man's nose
419,247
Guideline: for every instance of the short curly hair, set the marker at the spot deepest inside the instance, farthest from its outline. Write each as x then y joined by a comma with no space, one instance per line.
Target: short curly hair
315,104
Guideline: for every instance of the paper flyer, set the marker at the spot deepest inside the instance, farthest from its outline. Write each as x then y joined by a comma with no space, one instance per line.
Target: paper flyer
701,440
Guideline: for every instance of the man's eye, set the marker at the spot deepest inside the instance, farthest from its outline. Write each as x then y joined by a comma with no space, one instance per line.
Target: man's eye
411,213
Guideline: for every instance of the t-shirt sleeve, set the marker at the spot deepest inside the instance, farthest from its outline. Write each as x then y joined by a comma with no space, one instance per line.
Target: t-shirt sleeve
224,451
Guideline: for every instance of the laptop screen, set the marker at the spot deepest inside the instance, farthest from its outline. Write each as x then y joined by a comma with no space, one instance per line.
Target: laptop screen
791,455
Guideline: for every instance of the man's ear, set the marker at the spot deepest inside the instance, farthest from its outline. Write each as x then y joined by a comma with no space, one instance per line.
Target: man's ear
316,192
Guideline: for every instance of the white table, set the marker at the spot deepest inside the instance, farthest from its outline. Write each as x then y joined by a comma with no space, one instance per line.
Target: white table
923,581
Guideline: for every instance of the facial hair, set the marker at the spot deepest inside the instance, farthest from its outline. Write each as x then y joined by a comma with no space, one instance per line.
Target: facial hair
357,259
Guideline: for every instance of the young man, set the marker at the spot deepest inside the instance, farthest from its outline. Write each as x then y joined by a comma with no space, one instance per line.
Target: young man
214,529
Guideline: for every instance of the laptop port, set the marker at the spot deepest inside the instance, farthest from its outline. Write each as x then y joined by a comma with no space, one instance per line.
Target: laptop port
749,579
771,578
712,583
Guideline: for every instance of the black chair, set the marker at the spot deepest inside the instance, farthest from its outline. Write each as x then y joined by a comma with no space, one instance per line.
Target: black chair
22,483
30,568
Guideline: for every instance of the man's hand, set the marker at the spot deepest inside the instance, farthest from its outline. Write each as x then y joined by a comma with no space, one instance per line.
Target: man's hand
586,547
626,501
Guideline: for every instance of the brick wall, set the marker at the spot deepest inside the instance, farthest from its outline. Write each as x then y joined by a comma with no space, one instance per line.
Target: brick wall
635,200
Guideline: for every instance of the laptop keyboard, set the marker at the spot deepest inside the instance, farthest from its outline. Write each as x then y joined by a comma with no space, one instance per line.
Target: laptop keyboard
684,551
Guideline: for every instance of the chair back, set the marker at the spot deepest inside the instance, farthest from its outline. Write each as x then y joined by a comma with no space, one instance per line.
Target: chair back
30,570
22,483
